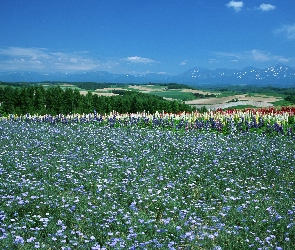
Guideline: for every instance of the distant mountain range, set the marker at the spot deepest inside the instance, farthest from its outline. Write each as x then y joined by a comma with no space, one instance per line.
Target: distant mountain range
278,75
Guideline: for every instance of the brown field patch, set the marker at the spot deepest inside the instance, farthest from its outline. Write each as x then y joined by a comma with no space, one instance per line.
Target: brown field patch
225,102
231,104
213,101
146,88
67,85
104,94
262,98
200,92
83,92
169,98
108,89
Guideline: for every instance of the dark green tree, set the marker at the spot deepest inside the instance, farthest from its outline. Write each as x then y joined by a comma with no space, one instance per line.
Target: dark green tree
54,100
9,100
39,100
88,103
68,101
77,102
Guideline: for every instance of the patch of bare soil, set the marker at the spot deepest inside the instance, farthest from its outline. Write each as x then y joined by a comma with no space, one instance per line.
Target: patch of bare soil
200,92
67,85
145,88
226,102
104,93
231,104
83,92
227,99
263,98
108,89
168,98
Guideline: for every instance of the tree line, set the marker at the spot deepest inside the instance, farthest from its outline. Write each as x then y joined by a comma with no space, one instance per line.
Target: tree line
171,85
290,98
54,100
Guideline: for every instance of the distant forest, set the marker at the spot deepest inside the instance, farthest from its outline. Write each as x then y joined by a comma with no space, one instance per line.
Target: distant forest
35,99
94,85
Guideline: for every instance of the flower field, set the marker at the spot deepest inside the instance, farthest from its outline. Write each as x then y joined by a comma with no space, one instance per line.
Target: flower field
265,120
218,180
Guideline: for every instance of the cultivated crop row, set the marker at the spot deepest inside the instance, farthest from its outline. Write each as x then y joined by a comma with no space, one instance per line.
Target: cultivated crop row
267,120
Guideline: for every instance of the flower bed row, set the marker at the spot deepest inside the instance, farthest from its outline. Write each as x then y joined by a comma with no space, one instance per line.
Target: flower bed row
266,120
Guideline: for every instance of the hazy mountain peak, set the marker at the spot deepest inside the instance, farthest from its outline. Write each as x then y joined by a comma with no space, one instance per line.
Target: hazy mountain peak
273,75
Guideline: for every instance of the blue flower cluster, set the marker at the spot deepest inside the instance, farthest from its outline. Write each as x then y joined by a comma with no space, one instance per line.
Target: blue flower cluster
86,186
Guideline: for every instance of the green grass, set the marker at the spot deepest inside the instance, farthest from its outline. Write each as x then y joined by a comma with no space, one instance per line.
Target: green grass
282,103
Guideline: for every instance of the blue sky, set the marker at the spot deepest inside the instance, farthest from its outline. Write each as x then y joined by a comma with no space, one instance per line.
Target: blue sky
139,37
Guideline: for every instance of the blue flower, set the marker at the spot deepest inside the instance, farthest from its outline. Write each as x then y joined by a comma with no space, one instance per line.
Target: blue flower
19,240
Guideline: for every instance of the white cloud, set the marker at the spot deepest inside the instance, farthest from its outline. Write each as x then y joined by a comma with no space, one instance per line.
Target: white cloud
253,55
47,60
288,31
264,56
213,60
260,55
266,7
231,55
183,63
236,5
41,59
24,52
138,59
